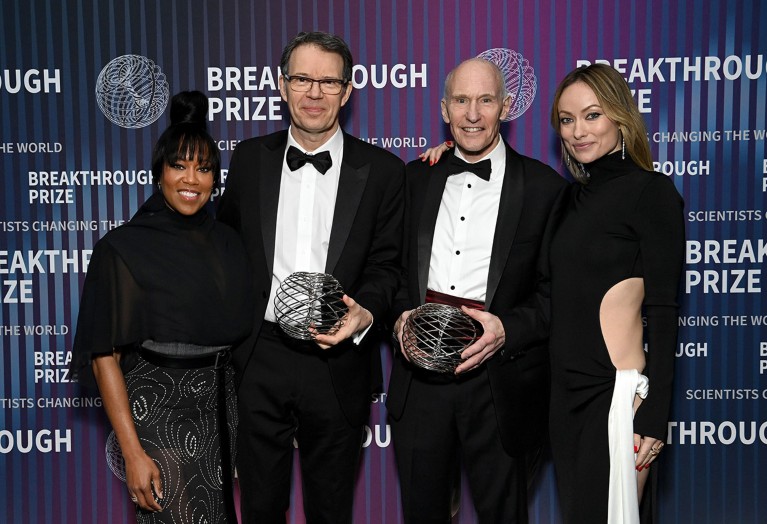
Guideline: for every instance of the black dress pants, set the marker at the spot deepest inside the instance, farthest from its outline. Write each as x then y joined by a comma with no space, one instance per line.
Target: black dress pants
442,426
286,392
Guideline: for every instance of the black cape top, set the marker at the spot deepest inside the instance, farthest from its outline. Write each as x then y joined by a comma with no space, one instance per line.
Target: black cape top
166,277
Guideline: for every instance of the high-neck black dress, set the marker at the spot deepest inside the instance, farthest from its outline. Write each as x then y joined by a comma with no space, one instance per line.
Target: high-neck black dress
626,222
180,283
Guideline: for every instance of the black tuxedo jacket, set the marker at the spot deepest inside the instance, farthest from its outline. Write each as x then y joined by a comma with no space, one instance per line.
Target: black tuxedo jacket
517,289
364,251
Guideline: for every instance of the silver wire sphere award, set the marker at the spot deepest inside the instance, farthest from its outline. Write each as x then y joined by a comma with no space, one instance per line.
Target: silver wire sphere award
434,336
308,304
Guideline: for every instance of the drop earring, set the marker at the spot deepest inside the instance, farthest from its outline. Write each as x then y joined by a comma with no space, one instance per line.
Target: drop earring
585,175
623,149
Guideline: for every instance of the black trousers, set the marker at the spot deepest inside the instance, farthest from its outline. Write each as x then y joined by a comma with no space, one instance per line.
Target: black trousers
286,393
444,426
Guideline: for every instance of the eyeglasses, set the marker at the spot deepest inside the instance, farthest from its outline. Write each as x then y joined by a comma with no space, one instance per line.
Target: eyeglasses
302,84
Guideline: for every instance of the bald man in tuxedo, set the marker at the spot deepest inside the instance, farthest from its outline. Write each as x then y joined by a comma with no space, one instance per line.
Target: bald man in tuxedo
476,225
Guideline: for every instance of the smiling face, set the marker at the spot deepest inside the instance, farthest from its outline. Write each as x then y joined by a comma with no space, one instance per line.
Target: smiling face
314,114
186,185
586,131
474,107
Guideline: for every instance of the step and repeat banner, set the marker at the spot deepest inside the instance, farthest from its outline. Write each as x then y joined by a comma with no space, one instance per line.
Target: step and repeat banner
84,92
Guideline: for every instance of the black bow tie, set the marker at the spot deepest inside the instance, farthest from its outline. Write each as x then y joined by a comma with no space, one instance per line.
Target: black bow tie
320,161
481,169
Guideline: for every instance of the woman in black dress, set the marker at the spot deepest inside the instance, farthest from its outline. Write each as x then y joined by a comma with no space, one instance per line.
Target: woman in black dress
618,252
165,296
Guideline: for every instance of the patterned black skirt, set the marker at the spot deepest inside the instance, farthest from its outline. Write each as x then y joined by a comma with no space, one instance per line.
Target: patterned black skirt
176,416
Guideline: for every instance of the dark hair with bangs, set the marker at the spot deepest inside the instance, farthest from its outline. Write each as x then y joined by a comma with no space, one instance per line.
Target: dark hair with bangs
187,136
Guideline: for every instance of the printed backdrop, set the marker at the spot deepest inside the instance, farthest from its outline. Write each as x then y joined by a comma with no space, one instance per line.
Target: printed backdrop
84,90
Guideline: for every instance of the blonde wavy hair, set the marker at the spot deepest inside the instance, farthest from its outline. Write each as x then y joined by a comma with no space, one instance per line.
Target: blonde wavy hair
619,106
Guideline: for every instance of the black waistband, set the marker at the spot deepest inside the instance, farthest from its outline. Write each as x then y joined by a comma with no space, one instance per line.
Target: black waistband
435,297
432,377
274,331
218,359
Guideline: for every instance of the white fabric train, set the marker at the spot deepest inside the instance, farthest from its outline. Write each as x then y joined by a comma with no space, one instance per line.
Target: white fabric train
622,501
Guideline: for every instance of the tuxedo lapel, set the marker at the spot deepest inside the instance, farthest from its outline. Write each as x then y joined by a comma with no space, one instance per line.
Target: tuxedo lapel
509,213
351,185
427,222
270,174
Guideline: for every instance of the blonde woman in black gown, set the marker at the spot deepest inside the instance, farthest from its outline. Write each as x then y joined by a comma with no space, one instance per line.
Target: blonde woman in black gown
617,254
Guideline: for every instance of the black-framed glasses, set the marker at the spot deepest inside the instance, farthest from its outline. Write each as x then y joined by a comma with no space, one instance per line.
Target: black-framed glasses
302,84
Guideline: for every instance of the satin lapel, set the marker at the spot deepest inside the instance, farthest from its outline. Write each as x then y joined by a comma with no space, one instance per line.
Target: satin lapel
427,222
509,213
351,185
270,174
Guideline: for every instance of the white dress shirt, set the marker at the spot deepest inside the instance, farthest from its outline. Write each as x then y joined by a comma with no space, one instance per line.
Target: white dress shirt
465,230
304,215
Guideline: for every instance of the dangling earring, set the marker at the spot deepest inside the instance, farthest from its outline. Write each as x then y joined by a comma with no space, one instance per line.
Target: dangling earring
585,174
623,145
566,155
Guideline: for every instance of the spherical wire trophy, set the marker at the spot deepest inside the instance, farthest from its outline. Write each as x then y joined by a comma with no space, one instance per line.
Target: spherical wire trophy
435,335
309,304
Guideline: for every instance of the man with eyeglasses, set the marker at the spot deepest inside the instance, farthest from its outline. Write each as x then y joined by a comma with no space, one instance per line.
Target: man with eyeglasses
311,198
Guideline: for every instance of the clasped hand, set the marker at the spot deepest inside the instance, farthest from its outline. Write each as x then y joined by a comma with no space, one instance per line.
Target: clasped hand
483,348
356,319
647,450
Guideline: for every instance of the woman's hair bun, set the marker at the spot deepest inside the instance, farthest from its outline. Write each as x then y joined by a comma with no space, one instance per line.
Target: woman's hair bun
189,107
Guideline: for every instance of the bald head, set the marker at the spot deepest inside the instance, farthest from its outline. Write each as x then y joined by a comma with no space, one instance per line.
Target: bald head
476,66
474,105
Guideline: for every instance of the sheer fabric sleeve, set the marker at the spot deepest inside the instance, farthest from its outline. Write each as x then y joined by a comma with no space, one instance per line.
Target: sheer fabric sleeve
109,315
660,225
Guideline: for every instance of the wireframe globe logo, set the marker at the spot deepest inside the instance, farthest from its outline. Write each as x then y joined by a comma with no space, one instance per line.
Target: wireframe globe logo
132,91
521,83
115,458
